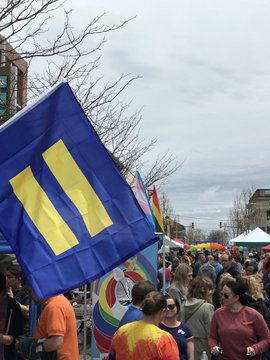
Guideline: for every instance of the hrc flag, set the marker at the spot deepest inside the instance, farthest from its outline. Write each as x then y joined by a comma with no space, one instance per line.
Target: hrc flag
142,198
65,209
156,212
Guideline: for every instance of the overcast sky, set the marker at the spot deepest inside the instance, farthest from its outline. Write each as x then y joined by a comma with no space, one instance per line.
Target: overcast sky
205,92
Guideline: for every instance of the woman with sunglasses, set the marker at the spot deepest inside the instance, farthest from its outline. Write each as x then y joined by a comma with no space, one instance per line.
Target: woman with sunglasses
237,331
179,330
143,339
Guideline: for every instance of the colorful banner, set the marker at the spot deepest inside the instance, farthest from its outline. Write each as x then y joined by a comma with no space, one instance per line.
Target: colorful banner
111,296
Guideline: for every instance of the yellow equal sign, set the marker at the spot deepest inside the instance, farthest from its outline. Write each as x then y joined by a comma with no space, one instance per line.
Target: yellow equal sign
77,188
42,212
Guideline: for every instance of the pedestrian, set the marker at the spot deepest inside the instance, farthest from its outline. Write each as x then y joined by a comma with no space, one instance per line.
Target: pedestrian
237,331
217,298
180,331
207,269
56,327
167,271
229,266
255,297
11,322
143,339
250,268
217,265
17,289
179,286
138,293
201,259
198,312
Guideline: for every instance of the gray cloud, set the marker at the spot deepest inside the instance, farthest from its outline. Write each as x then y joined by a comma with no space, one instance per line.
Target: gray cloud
204,91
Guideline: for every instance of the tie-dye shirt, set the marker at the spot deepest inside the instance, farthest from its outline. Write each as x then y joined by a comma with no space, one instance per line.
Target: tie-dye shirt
140,340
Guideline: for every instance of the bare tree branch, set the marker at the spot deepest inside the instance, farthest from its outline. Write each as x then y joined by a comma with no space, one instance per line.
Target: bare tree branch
239,215
65,56
23,21
164,166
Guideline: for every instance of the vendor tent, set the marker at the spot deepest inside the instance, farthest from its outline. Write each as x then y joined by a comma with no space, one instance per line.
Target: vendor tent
171,243
166,249
256,238
239,237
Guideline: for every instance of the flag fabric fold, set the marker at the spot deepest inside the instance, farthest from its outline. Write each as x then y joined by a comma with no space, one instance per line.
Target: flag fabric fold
65,209
156,212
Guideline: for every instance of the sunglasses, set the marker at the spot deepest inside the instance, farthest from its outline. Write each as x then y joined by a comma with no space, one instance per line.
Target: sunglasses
226,296
170,306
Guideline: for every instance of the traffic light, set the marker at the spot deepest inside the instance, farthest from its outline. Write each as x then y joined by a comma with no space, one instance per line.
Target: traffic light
192,225
220,224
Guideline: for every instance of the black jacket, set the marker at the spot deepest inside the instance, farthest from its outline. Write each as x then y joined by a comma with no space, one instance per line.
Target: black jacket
13,327
258,305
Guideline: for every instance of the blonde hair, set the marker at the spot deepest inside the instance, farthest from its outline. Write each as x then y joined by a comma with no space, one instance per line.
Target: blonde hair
181,280
254,288
224,279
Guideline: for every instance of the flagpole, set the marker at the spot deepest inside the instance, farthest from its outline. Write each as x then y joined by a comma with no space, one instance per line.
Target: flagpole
159,226
163,265
163,252
84,322
162,234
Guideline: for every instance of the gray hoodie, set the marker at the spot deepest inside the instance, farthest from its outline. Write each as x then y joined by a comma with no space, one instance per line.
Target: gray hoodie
198,316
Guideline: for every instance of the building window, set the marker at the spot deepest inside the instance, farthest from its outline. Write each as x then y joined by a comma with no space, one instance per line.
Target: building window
268,214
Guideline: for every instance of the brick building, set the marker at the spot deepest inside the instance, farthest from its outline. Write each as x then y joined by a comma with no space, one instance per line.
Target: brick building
13,81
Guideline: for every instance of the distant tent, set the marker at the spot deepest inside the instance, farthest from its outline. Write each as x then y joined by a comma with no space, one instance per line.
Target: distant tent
171,243
166,249
239,237
256,238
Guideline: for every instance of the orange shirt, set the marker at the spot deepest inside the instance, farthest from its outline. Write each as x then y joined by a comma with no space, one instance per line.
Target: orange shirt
57,318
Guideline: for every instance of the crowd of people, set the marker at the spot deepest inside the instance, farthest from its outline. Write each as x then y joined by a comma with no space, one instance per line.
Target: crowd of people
213,302
217,303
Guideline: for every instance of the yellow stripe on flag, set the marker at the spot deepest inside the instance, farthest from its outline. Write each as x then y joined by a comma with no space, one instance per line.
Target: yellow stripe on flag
77,188
42,212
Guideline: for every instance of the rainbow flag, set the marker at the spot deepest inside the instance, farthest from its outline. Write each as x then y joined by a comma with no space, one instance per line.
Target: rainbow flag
156,212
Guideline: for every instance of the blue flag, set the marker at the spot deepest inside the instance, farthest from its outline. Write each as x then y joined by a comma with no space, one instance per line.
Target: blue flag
65,209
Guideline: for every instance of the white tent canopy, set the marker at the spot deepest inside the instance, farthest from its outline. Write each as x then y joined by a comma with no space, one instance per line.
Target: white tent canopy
166,249
255,238
239,237
171,243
